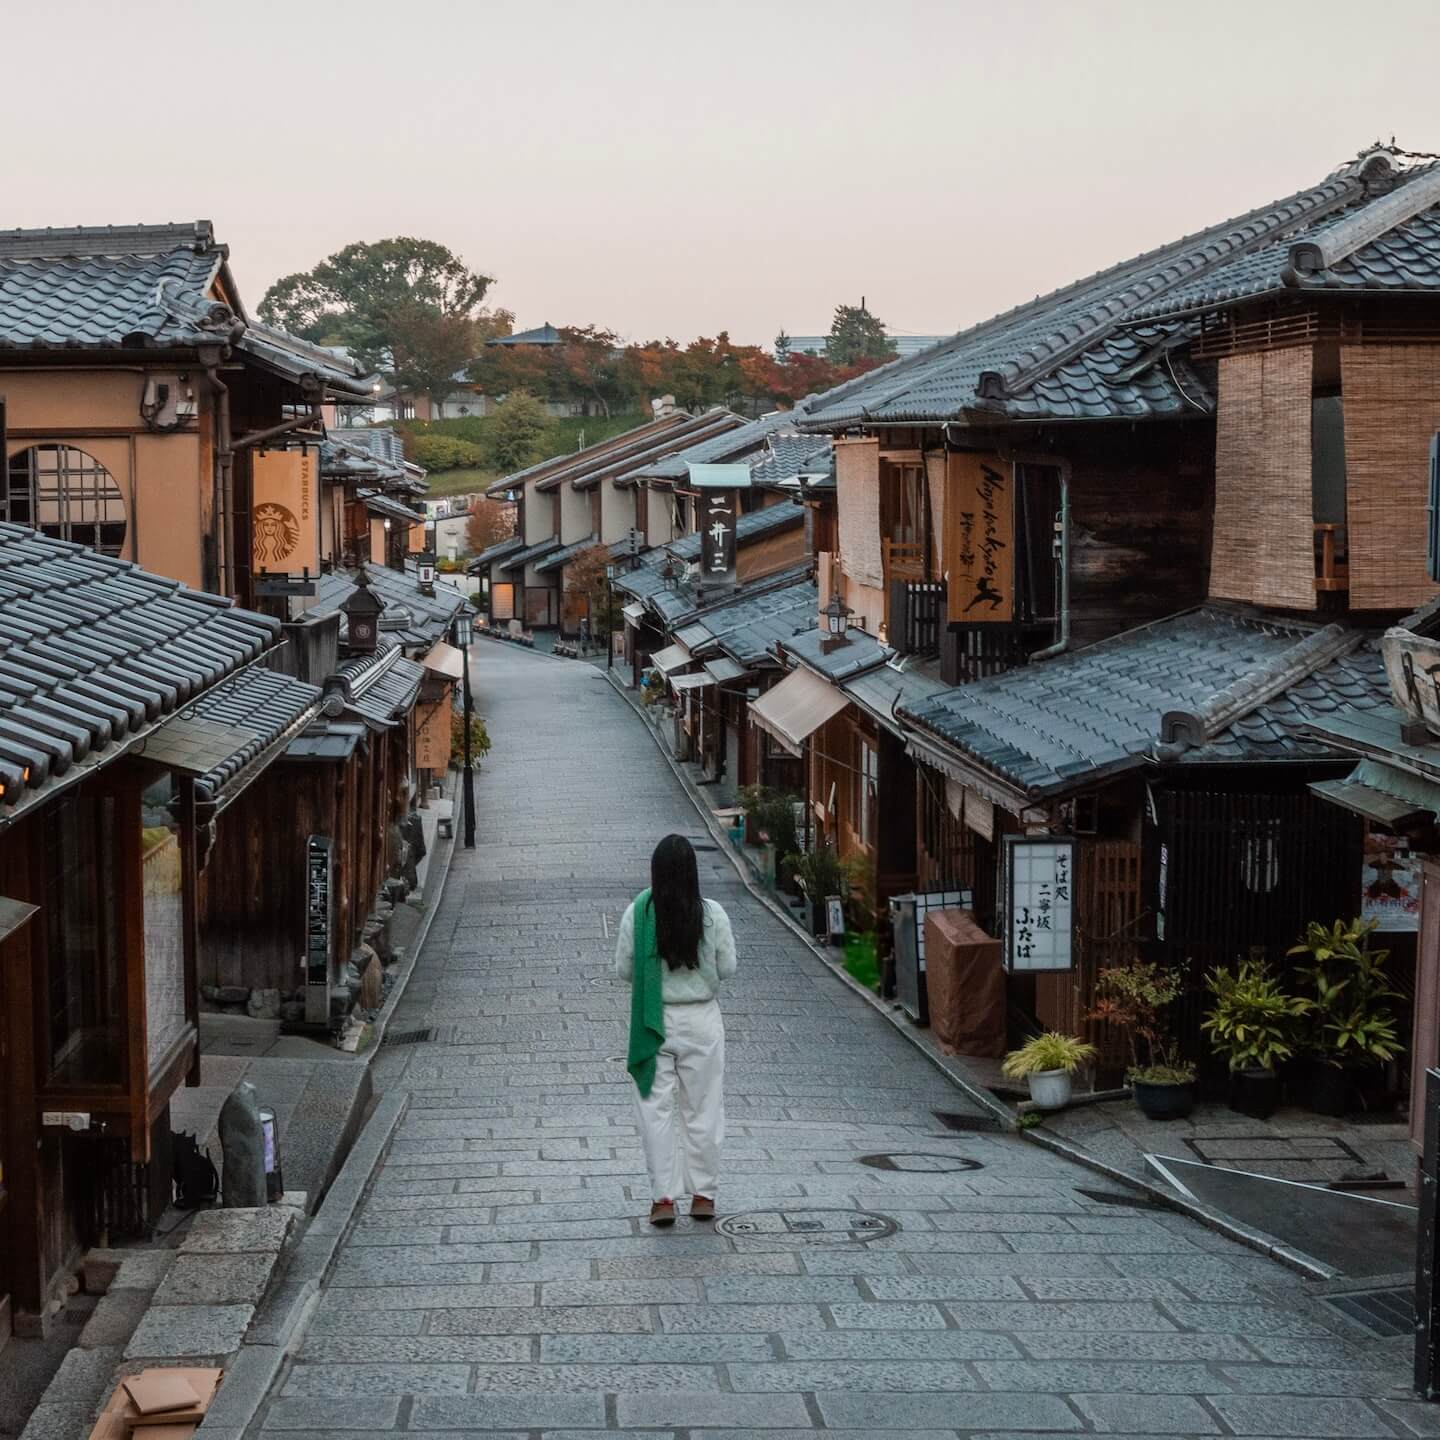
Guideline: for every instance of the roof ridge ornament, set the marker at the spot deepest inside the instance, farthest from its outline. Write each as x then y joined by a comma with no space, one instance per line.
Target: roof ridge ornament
1311,257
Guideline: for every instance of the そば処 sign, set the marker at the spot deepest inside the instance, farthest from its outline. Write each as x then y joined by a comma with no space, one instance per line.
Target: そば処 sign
1040,903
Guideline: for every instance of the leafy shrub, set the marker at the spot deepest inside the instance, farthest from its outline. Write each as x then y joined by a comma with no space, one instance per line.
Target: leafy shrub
1050,1051
479,740
445,452
1254,1023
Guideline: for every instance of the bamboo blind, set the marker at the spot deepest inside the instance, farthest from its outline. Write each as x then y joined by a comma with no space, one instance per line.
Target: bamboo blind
857,484
935,475
1264,539
1392,407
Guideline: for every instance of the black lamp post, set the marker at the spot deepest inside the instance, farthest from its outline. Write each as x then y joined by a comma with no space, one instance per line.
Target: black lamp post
836,616
461,631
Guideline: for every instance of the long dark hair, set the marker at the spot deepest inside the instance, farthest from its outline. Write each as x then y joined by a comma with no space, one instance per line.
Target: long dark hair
679,910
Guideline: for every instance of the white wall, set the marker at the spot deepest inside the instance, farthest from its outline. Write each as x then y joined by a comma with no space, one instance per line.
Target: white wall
574,514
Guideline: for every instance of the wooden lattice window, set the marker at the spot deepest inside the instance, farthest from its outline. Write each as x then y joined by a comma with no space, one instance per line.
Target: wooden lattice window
66,493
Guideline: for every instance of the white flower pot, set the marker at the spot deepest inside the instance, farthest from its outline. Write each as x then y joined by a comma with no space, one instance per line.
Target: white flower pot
1050,1089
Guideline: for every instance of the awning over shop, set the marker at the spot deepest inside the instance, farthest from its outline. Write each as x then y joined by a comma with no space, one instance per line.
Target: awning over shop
1390,797
443,659
724,669
697,681
672,657
797,707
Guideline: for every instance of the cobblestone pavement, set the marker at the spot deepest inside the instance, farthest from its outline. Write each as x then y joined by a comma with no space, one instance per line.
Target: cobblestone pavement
500,1279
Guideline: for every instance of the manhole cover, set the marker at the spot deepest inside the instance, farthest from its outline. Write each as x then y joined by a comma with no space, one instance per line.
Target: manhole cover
793,1228
920,1161
1381,1312
408,1037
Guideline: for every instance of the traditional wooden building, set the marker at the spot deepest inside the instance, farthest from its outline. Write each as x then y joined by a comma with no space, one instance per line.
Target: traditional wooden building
1146,521
124,697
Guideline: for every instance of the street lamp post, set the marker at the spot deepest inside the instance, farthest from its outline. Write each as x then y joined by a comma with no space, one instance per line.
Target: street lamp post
462,630
609,614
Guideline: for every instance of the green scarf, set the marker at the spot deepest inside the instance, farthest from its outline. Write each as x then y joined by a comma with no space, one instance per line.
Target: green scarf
647,1003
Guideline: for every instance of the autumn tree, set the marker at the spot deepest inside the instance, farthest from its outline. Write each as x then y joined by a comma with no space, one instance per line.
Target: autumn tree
490,522
856,334
517,431
585,576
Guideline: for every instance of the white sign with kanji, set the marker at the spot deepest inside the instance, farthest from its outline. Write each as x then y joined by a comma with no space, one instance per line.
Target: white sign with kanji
1040,891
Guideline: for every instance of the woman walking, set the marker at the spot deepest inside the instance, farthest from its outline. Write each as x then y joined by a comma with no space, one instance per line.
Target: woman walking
675,948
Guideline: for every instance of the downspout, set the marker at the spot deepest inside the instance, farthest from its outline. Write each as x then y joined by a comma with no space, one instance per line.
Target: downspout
224,475
1062,589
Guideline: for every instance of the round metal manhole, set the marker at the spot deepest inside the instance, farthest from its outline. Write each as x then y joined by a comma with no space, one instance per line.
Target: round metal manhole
921,1162
788,1229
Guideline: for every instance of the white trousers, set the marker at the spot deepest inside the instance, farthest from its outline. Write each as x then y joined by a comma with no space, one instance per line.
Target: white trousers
682,1120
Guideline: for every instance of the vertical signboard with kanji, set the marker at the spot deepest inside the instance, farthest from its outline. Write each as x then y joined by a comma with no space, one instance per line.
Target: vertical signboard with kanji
319,913
717,536
979,539
1040,904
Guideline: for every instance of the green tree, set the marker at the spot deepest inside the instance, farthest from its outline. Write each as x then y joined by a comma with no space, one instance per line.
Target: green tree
356,296
856,334
782,346
518,430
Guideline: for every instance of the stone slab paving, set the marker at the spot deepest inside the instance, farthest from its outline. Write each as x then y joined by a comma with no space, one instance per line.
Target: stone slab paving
500,1279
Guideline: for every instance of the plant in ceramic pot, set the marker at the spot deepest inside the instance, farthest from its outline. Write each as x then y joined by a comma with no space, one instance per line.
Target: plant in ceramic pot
819,873
1253,1027
1047,1063
1135,998
1352,1026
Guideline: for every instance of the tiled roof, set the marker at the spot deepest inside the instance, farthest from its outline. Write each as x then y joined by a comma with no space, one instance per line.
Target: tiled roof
710,424
730,445
266,705
387,505
753,525
883,690
1209,685
1100,348
748,626
379,688
142,286
786,457
94,652
492,553
860,652
531,553
409,618
626,445
566,554
545,334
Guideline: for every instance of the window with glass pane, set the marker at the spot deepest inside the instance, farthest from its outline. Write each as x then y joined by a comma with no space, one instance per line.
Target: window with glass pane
165,1017
67,494
866,777
85,984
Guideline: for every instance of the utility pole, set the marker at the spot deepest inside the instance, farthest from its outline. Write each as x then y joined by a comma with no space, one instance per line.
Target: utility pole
463,631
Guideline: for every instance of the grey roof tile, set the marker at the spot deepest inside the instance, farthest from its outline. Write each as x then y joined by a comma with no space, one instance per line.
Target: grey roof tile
268,704
409,618
95,650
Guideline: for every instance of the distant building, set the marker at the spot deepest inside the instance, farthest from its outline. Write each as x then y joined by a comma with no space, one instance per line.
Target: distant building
905,345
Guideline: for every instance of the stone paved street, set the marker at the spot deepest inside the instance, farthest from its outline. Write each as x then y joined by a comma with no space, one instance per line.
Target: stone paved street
500,1279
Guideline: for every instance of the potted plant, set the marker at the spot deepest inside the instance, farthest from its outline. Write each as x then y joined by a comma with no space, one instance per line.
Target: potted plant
1135,997
1352,1026
819,873
1047,1063
1252,1027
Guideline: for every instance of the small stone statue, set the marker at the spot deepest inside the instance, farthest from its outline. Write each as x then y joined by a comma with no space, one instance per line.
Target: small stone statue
242,1143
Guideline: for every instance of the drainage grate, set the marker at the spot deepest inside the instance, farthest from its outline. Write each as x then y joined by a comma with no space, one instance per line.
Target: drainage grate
1386,1313
409,1037
1109,1197
920,1162
958,1120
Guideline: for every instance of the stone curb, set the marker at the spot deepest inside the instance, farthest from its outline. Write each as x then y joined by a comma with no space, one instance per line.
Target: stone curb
1268,1245
285,1312
397,991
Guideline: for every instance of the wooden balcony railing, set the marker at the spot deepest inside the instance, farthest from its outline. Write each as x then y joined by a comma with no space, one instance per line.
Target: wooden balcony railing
917,616
1332,559
903,560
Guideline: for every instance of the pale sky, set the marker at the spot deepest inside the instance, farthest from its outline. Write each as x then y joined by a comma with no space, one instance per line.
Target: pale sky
678,169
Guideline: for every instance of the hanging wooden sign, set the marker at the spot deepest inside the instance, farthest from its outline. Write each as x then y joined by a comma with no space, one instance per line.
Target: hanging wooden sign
285,516
432,735
979,539
717,509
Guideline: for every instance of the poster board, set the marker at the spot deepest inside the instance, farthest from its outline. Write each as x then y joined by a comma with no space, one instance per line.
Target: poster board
1390,883
432,735
979,539
1039,904
285,514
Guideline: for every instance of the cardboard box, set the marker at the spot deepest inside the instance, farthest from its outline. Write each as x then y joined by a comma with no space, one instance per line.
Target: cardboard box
155,1391
202,1382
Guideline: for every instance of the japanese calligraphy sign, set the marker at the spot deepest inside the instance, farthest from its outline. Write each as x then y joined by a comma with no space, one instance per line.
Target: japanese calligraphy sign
1039,909
979,539
715,515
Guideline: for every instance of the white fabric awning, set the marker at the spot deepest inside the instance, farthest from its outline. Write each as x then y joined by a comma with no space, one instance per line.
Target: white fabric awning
797,707
445,659
633,612
672,657
690,682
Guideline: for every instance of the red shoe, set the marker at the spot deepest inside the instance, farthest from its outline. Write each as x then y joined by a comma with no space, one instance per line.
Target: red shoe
702,1207
662,1212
